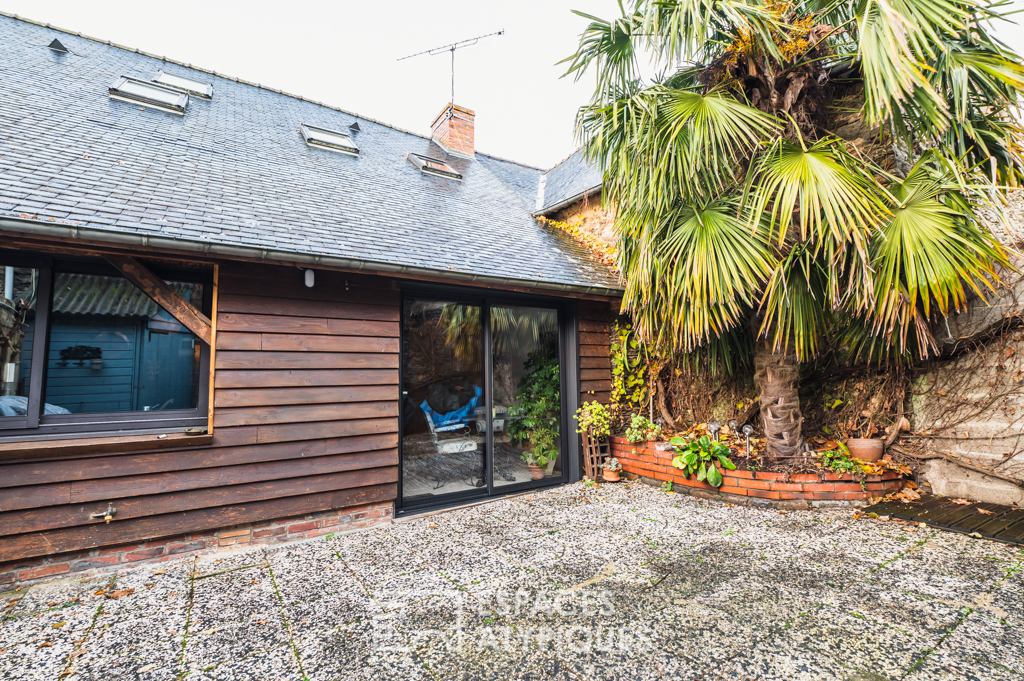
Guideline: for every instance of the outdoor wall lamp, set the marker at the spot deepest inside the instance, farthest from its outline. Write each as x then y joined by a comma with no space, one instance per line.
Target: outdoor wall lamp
310,277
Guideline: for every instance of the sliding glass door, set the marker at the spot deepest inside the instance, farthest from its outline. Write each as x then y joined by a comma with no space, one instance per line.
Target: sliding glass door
482,399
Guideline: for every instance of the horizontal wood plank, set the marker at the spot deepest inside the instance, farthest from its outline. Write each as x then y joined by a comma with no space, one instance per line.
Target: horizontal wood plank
248,416
595,386
171,524
225,476
595,362
594,339
266,323
305,360
594,326
97,445
385,312
38,473
585,351
595,374
326,429
87,495
602,397
238,341
304,378
255,397
300,343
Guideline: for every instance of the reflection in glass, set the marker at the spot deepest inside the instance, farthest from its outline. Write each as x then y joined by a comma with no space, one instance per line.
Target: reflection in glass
526,394
113,349
442,389
17,316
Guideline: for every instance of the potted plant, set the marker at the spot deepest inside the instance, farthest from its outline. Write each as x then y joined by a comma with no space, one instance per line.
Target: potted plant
611,470
534,420
537,458
642,429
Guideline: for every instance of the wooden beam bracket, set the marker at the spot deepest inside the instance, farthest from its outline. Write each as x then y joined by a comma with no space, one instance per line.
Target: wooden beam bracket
164,296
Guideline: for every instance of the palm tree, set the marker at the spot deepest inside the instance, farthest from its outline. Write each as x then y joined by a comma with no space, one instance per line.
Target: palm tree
808,177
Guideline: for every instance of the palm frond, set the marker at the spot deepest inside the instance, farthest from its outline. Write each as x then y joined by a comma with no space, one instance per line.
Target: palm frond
693,273
895,38
797,314
609,47
821,193
933,252
663,144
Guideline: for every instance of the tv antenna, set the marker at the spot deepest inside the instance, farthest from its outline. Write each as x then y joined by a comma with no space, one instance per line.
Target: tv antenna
451,48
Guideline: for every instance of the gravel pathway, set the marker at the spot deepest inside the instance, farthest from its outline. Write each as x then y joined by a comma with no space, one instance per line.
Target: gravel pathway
620,582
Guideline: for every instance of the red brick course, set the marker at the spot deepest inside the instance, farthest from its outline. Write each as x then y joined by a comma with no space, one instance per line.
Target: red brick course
24,572
800,490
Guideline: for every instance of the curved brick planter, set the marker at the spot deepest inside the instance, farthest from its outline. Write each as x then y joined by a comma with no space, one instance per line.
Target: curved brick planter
802,490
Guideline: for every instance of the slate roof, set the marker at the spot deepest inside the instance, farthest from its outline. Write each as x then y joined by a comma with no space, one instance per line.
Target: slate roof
567,182
235,172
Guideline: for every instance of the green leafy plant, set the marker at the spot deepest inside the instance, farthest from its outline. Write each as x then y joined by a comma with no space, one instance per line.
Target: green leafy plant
699,458
642,429
594,420
612,464
544,449
535,415
667,487
838,460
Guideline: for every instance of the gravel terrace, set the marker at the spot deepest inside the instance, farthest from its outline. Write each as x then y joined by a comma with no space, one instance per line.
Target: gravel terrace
621,582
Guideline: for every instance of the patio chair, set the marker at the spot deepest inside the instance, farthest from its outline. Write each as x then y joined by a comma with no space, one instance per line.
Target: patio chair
454,456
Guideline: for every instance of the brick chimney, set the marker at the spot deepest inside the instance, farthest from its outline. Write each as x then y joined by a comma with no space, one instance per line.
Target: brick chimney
452,130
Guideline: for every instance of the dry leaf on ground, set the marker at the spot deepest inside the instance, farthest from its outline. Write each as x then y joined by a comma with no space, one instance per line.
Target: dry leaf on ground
123,592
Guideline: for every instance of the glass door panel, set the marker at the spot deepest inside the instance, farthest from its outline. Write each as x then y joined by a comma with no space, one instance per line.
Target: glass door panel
443,442
526,394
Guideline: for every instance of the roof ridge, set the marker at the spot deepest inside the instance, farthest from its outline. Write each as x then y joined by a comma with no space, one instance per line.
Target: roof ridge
564,159
508,160
211,72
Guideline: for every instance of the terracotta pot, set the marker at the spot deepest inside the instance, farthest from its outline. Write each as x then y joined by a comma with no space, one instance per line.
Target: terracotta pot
536,472
610,476
865,449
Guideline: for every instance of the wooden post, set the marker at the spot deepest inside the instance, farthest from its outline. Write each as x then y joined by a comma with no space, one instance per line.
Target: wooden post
165,296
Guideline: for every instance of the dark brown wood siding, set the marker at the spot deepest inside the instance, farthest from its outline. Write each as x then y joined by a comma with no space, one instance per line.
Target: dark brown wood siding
305,419
595,357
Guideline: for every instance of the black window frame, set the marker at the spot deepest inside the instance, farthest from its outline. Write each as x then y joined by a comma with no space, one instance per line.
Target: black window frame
35,424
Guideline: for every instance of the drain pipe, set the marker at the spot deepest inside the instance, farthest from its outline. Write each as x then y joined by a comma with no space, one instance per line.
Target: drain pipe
9,283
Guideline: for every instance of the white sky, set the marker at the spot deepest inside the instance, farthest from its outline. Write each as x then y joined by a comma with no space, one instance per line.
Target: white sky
345,53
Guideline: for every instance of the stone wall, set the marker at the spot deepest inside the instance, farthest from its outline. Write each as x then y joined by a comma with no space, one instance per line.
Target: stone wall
591,217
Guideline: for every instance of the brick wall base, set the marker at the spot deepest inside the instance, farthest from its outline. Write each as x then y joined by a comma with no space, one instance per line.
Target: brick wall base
18,574
645,461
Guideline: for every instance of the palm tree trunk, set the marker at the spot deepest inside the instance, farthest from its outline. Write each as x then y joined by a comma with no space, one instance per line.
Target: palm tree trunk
778,376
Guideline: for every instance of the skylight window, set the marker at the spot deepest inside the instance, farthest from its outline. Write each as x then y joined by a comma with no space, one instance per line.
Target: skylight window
193,87
433,166
150,94
328,139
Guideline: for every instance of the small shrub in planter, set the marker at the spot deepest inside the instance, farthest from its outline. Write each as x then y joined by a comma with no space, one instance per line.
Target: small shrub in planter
642,429
699,458
539,457
611,469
